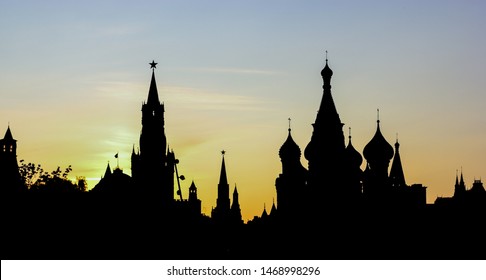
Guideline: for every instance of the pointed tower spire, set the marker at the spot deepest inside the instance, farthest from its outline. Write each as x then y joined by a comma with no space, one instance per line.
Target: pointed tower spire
107,171
461,182
460,187
155,167
153,96
8,134
325,150
9,168
192,192
223,179
353,156
396,172
8,144
193,186
327,102
273,210
264,213
194,202
222,210
352,181
235,208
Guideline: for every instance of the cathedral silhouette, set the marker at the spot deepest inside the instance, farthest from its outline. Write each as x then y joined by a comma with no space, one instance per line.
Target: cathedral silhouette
330,210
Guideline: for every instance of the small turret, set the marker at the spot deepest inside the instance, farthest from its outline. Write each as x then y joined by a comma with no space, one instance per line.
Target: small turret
107,171
273,211
221,212
353,157
397,177
10,180
459,188
192,192
235,208
264,213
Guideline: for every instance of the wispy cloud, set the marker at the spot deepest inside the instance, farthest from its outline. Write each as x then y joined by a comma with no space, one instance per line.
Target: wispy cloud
125,90
206,100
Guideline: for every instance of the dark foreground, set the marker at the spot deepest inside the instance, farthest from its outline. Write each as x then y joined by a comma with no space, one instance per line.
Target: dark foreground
81,227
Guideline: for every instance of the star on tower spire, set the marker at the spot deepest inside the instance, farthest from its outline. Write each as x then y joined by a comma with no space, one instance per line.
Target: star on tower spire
153,64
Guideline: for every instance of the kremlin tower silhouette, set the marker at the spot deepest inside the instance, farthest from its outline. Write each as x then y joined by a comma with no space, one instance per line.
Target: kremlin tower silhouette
153,167
10,181
223,213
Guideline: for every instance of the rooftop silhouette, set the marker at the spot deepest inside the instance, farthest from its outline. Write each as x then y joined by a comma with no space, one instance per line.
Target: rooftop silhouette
330,210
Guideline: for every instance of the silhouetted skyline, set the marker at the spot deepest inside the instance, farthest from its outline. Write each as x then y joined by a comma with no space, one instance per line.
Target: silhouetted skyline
331,209
241,70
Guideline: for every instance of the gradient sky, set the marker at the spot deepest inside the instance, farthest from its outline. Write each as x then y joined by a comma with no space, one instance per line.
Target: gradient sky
74,74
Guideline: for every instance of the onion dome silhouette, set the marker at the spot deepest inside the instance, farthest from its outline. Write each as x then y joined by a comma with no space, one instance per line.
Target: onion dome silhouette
289,149
353,156
326,72
378,149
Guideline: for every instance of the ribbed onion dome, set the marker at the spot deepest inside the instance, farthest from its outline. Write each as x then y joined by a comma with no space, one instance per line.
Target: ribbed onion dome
353,156
326,72
289,149
378,149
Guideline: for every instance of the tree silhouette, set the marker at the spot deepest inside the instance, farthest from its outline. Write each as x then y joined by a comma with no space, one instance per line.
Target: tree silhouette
36,179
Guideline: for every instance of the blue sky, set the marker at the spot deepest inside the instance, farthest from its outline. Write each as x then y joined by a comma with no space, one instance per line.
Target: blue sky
73,76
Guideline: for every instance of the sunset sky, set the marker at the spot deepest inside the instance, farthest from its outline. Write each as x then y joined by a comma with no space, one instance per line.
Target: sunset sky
74,74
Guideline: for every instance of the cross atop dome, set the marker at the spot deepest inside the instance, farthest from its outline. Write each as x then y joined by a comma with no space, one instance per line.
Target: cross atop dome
326,73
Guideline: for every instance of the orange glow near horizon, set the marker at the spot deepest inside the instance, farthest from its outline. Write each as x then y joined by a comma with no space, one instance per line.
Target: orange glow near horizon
74,75
252,160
